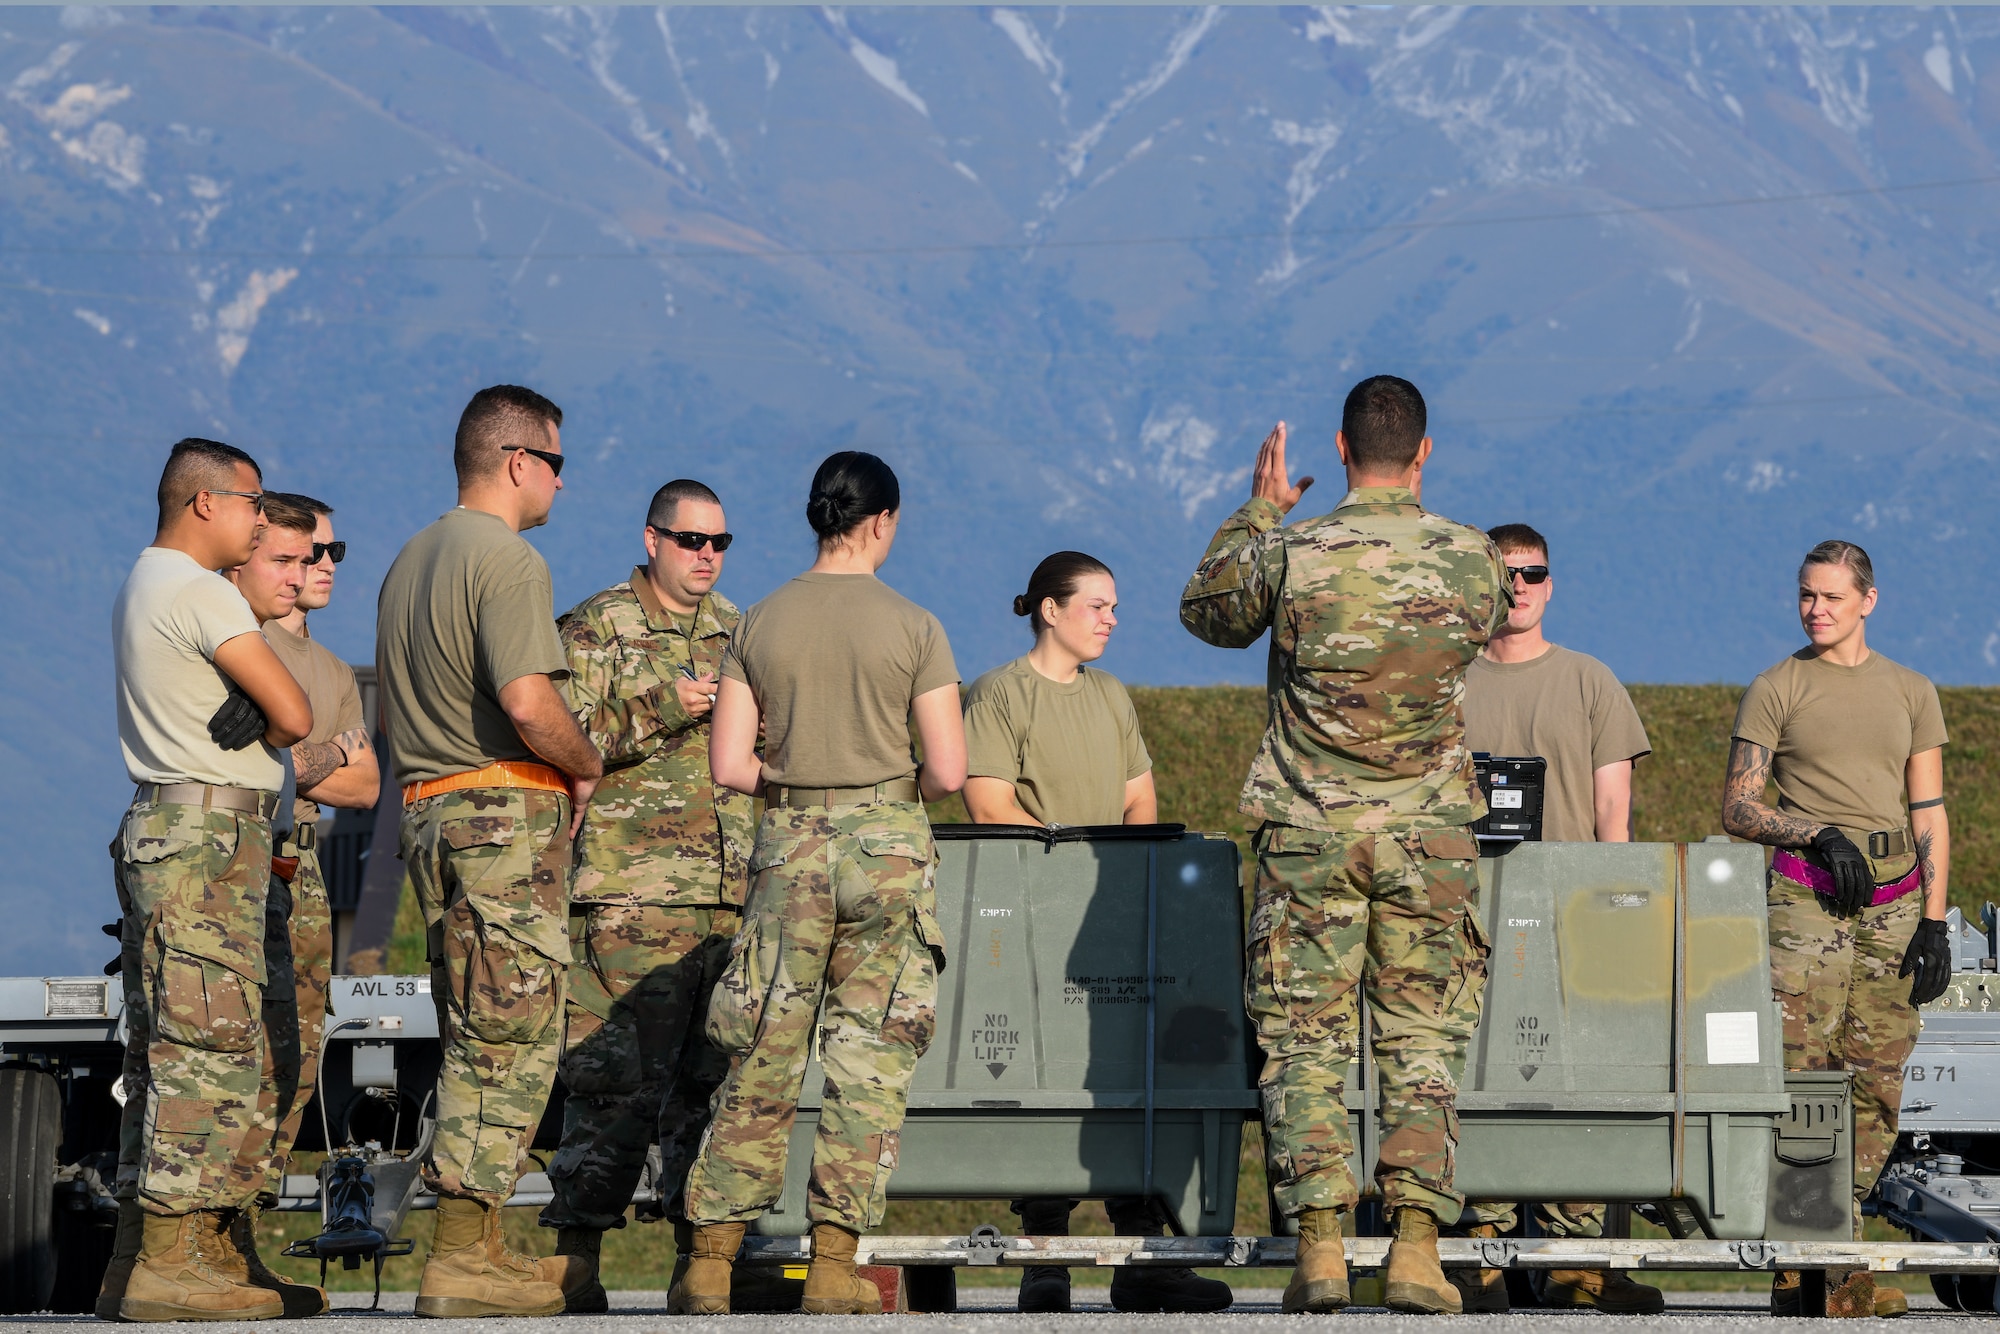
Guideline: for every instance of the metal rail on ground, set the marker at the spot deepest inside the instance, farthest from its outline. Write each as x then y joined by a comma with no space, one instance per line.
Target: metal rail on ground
989,1247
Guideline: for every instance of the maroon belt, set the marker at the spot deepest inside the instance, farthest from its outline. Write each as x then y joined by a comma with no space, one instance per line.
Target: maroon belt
1794,867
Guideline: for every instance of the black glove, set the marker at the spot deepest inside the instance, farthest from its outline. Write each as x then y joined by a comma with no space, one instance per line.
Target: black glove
1853,885
1929,959
238,722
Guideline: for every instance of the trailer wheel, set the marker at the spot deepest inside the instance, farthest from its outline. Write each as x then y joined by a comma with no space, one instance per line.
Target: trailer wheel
30,1129
1964,1292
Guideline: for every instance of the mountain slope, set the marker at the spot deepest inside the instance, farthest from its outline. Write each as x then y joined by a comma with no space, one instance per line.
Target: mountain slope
1687,289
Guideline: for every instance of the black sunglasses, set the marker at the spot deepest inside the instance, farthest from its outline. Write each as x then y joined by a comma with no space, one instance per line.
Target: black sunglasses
555,461
1531,574
695,541
322,550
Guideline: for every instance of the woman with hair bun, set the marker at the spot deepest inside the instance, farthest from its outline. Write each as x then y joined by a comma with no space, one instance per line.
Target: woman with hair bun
840,929
1862,852
1053,741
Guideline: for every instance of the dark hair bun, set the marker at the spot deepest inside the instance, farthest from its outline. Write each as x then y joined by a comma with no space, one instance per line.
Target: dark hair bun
849,487
1056,577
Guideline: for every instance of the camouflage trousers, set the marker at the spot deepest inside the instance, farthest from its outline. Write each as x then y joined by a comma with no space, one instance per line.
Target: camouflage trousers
840,935
1845,1008
1337,914
637,1067
491,871
191,886
298,957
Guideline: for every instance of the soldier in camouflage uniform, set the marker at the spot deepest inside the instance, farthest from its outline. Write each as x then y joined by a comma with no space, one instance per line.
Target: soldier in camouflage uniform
1366,867
840,936
203,705
492,766
1859,868
657,891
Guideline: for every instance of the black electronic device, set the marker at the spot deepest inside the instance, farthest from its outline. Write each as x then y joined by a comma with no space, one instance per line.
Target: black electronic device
1512,786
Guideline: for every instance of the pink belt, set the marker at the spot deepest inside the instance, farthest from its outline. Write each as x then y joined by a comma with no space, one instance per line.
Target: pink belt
1793,867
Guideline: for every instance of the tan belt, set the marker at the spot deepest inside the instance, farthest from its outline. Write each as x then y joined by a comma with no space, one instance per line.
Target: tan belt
1880,843
209,797
303,837
804,798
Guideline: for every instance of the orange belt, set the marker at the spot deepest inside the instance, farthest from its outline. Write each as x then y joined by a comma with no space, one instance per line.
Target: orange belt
505,773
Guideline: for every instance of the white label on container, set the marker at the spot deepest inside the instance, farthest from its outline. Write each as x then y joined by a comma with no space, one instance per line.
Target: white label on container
1508,798
1732,1038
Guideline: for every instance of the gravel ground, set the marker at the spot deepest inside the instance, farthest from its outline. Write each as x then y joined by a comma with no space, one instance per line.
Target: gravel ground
987,1309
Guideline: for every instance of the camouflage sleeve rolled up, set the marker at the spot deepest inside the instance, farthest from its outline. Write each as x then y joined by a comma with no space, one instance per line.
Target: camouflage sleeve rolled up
622,721
1229,600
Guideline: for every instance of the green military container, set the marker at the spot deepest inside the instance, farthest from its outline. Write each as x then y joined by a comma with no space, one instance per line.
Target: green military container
1812,1163
1091,1040
1630,1048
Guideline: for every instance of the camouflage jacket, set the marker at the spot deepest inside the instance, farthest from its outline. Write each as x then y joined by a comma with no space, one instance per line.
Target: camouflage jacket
658,831
1374,612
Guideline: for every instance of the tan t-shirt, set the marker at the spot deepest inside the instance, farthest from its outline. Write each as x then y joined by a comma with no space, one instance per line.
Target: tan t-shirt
170,618
1068,748
1566,707
834,660
330,687
1841,737
466,609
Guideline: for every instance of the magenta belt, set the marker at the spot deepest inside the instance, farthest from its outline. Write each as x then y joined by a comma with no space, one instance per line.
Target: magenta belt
1793,867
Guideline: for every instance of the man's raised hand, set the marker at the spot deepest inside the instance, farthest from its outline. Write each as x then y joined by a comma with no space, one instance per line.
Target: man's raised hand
1270,481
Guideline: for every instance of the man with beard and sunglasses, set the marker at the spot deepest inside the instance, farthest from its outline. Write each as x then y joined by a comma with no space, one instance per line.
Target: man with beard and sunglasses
1526,696
657,889
495,775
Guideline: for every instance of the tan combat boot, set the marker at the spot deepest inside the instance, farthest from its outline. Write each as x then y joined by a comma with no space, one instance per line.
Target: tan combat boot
1413,1279
172,1278
124,1250
574,1267
1604,1290
1481,1291
704,1287
470,1272
832,1286
1319,1280
236,1253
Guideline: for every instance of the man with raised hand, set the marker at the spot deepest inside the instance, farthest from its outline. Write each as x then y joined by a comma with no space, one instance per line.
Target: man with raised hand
661,871
288,575
1526,696
496,775
204,706
1366,865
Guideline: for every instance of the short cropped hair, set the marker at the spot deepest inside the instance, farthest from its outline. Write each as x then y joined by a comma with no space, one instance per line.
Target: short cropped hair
293,513
667,500
1518,537
196,465
1836,552
498,416
1384,421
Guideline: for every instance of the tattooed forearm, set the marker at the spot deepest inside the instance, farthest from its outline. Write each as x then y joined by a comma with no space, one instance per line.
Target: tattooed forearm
1744,812
1926,858
311,763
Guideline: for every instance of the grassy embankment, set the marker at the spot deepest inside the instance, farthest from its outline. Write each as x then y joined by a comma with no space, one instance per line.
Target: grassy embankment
1201,741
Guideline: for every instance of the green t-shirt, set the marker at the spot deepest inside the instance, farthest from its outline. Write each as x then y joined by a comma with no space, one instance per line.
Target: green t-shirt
1068,748
834,661
466,609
